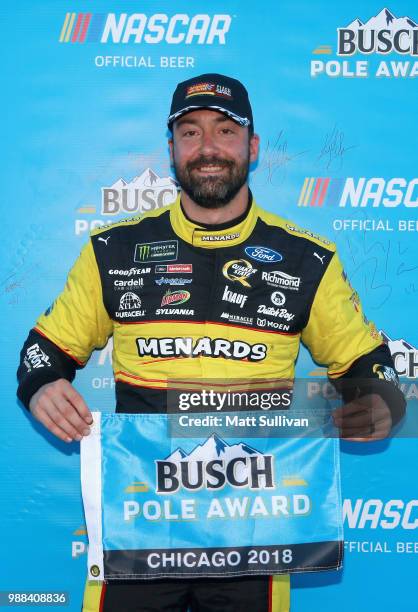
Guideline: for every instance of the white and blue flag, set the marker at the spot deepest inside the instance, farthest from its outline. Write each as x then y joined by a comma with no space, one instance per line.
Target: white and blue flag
158,506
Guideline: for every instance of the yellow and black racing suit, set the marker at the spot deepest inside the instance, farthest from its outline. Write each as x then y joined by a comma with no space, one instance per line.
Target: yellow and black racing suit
184,300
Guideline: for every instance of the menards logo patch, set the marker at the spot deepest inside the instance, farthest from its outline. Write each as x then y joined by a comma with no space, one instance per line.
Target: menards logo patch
200,347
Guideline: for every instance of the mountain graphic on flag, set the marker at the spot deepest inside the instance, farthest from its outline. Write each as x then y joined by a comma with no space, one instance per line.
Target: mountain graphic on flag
216,448
213,448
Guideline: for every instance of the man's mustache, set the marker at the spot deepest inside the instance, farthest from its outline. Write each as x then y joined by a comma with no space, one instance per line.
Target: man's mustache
209,161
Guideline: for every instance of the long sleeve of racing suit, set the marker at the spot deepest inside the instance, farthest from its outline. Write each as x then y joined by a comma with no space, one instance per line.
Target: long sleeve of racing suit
83,322
334,333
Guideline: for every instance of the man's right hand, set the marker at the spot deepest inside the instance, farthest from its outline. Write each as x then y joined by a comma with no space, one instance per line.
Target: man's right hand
62,410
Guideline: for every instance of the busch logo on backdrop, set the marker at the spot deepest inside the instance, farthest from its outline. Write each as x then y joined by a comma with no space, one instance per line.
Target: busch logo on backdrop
381,34
359,42
213,465
143,193
405,356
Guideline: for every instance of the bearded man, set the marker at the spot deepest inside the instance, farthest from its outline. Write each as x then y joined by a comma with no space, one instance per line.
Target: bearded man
213,225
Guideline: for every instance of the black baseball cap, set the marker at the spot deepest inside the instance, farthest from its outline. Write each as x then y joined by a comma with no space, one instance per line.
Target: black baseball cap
216,91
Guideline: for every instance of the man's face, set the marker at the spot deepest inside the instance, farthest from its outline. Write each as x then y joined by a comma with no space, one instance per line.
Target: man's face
211,155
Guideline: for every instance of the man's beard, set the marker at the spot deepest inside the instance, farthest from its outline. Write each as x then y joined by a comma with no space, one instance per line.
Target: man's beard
212,191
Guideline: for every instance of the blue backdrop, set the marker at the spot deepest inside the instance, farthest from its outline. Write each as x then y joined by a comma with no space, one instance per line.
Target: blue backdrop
86,91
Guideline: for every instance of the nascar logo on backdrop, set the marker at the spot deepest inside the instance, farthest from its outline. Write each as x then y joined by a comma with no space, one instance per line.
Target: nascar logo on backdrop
139,28
363,194
381,521
380,35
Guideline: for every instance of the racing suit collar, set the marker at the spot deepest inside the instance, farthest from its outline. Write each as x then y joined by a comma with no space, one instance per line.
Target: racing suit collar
212,237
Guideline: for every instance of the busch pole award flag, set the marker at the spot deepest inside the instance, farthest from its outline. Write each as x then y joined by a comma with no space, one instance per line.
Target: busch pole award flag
158,506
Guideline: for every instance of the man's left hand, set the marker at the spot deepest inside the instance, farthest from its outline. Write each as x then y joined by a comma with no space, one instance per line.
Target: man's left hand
364,419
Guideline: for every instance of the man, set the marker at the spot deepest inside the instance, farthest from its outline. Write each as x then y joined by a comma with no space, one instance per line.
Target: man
243,262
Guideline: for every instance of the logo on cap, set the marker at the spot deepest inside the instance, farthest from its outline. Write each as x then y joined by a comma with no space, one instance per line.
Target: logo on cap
209,89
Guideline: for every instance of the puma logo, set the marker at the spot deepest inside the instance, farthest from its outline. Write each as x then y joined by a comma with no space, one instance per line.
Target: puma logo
103,239
321,259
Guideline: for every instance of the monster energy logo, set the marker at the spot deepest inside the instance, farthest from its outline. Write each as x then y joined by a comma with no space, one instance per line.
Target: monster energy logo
165,250
142,251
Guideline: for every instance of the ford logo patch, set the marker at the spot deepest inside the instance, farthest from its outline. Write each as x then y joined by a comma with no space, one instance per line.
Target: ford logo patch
263,254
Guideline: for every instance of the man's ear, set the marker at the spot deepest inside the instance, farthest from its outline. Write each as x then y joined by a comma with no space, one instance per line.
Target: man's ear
171,147
254,147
